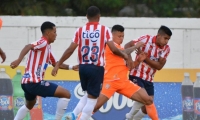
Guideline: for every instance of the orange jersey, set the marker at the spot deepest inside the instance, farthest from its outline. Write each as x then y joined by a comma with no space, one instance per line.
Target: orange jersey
115,66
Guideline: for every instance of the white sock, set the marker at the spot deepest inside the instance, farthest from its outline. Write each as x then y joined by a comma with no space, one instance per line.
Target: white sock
135,108
139,115
80,105
61,107
21,113
88,109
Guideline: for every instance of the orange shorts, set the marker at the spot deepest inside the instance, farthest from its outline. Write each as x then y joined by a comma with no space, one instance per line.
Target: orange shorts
122,86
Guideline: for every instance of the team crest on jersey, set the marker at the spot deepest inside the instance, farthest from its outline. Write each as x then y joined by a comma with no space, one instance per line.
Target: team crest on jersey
107,86
93,36
47,84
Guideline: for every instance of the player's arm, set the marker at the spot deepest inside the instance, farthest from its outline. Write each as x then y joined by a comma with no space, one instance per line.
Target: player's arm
68,67
130,63
53,62
23,52
158,65
2,55
68,52
116,51
129,50
129,45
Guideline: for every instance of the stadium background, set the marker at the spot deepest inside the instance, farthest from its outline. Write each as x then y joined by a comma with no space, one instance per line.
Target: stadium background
18,31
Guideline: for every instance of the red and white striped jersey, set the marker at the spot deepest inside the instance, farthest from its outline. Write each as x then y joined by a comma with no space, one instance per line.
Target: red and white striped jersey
144,71
91,40
38,59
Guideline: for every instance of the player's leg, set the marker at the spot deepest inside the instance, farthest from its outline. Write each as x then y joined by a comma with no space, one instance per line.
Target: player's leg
83,100
77,110
142,96
108,89
136,105
30,102
48,89
64,98
136,93
149,87
94,82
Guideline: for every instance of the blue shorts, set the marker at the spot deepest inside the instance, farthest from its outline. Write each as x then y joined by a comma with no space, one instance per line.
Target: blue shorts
148,86
91,77
43,88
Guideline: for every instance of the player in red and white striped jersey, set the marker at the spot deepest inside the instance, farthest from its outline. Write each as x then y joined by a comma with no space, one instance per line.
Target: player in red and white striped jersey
155,52
157,49
90,40
39,57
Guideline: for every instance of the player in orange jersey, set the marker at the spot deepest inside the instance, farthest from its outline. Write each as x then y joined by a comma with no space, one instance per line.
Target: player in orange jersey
116,79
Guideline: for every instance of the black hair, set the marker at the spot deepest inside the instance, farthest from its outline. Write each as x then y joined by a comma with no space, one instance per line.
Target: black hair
46,25
117,28
92,11
164,29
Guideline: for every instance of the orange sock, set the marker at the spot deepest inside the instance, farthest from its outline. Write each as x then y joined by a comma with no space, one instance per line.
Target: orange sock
1,23
79,116
152,112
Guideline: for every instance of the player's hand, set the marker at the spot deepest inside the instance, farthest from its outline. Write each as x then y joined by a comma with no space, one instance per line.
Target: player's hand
129,64
142,56
139,44
75,67
15,63
138,51
55,70
3,56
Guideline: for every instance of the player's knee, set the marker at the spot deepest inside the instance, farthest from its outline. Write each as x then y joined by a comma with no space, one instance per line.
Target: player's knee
148,101
67,94
30,104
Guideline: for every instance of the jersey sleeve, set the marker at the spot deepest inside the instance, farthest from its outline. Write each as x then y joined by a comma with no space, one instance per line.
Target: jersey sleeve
143,39
39,44
165,53
52,59
108,35
76,38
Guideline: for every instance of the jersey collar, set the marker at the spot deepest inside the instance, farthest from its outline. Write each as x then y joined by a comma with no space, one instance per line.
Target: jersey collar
92,23
154,41
44,38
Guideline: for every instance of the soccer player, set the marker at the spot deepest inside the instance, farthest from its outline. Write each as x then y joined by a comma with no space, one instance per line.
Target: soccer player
116,79
40,55
90,40
158,50
2,54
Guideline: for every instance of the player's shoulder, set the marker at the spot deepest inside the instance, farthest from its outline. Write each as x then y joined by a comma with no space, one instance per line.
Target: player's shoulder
39,41
103,26
167,47
146,36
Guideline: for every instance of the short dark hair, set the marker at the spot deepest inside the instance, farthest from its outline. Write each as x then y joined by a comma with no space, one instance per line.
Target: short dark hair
165,29
46,25
117,28
92,11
